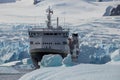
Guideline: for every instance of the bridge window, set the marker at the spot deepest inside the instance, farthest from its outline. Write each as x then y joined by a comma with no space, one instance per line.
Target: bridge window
59,33
48,43
65,35
31,42
64,42
55,33
37,43
34,34
57,43
48,33
51,33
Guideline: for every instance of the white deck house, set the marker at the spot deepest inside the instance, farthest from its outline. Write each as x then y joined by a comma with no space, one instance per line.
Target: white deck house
48,40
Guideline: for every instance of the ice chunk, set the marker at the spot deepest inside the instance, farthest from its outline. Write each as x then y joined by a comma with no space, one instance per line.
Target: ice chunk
51,60
67,61
24,66
27,61
13,63
115,56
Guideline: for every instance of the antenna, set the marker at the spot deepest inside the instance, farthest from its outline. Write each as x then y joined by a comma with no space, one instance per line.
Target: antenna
64,21
57,22
50,12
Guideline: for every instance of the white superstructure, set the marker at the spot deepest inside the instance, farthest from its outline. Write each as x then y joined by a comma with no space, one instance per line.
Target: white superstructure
49,39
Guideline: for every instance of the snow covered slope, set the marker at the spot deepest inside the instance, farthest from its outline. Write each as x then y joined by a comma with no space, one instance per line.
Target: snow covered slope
79,72
24,11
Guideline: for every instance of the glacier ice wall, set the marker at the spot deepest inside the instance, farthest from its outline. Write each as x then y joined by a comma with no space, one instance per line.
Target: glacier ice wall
98,39
14,42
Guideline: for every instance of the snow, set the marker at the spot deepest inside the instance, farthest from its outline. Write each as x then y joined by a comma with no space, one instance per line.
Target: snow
24,11
78,72
69,71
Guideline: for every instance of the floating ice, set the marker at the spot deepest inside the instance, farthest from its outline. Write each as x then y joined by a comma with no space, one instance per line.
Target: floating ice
67,61
115,56
27,61
51,60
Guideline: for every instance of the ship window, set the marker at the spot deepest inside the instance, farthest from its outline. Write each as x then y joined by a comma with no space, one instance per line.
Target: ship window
29,33
59,33
51,33
57,43
34,34
46,33
55,33
64,42
37,34
37,43
64,34
31,42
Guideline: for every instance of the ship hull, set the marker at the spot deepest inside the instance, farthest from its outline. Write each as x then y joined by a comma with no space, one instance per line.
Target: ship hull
48,51
37,54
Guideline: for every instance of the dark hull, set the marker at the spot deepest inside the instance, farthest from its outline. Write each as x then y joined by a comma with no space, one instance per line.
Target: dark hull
47,51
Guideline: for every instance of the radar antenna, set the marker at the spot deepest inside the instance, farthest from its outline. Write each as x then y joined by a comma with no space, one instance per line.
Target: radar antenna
50,12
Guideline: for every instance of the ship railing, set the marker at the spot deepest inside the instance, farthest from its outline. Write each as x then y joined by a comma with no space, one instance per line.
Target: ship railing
46,29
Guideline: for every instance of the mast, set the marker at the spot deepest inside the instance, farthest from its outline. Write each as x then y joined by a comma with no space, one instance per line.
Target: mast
50,12
57,22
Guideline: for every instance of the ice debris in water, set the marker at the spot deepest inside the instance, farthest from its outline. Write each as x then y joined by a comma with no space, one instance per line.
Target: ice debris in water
51,60
27,61
67,61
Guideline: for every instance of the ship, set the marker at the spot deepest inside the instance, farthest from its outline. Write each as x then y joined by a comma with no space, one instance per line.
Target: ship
50,40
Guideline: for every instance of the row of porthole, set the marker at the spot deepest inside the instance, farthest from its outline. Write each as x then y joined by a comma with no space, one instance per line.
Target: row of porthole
49,43
32,34
65,34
